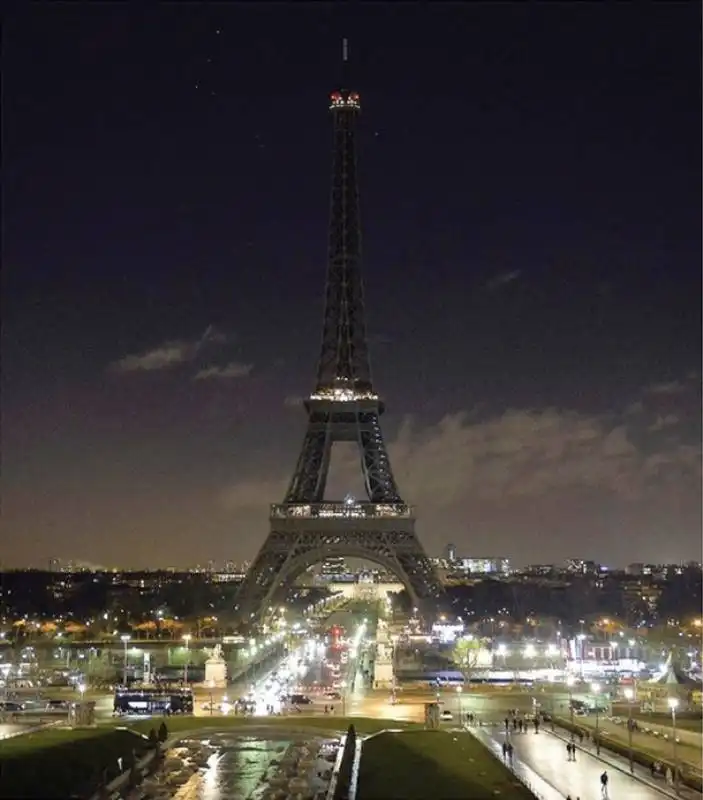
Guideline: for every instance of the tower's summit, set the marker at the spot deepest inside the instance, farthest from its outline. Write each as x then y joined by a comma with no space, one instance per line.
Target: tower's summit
345,99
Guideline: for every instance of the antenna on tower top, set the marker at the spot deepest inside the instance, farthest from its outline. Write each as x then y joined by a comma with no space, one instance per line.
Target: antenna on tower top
345,50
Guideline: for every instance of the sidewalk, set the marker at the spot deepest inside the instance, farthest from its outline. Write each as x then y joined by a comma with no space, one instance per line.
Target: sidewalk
524,773
622,764
545,754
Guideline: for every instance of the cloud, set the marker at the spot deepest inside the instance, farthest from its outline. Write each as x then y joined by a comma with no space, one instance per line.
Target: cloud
520,454
667,421
542,476
169,354
503,279
672,387
234,369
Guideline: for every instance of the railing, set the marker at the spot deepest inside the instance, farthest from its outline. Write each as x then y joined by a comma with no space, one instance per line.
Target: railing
341,511
340,783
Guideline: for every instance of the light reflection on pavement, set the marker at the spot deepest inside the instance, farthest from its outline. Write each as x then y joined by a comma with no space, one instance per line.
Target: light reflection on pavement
546,755
9,729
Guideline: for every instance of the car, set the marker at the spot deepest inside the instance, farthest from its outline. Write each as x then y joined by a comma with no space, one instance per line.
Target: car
56,705
446,716
299,700
333,695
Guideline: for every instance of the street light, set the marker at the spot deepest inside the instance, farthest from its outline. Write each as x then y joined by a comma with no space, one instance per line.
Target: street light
125,638
673,705
458,701
595,688
570,681
186,638
630,696
582,647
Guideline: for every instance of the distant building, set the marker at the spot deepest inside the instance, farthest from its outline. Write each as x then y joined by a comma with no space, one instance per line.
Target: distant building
489,565
450,552
661,571
539,569
334,566
578,566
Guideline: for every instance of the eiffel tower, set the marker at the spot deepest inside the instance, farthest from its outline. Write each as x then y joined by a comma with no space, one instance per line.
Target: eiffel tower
305,529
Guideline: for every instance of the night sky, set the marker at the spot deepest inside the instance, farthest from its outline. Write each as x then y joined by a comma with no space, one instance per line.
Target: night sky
531,200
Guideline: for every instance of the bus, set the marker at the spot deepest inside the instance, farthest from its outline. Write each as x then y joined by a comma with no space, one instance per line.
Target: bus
153,701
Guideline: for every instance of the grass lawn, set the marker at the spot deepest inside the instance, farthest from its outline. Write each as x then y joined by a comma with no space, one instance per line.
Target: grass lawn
685,720
657,748
63,763
420,765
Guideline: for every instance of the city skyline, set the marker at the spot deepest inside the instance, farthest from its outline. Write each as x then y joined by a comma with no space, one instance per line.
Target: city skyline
531,265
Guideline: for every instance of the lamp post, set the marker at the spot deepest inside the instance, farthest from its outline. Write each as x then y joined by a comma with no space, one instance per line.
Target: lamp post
581,648
186,638
630,695
673,705
595,688
570,681
125,638
458,701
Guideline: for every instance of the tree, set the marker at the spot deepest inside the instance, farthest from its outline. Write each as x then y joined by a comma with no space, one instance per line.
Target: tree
163,732
101,670
465,655
148,627
173,626
74,628
153,738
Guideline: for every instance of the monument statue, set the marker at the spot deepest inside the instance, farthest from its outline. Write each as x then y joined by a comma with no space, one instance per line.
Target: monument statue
216,668
215,654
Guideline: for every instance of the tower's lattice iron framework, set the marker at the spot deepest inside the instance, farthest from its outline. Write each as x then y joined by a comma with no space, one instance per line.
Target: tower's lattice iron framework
344,407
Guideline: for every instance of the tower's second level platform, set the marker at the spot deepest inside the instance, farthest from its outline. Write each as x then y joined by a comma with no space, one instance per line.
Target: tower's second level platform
342,510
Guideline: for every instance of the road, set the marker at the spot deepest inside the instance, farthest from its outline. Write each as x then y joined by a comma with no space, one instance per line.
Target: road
545,753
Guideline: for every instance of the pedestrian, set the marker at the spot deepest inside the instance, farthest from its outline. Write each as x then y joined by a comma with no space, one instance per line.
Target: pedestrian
507,723
604,784
568,751
669,777
510,752
505,751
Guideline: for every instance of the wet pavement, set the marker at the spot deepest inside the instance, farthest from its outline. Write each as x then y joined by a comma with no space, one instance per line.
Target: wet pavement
545,754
